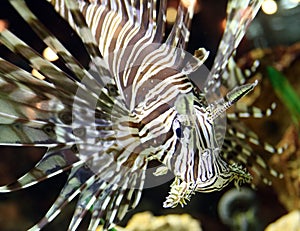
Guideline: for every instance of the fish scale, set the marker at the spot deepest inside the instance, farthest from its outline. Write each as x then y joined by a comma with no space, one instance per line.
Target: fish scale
138,105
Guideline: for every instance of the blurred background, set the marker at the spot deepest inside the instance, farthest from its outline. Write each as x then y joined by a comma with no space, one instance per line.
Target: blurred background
273,39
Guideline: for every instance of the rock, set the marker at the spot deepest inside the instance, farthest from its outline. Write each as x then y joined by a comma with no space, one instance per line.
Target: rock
289,222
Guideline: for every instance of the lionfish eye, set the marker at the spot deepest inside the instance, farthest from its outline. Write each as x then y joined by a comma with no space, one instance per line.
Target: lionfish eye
179,132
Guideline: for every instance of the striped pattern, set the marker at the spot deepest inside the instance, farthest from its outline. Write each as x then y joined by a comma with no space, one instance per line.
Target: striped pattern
255,112
239,16
141,105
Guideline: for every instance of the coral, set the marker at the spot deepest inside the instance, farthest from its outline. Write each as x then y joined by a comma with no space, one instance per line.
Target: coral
288,188
145,221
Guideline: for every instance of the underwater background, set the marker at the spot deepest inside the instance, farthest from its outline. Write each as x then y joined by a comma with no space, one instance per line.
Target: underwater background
273,40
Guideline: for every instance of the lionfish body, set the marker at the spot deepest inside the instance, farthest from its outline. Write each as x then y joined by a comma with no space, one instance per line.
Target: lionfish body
139,106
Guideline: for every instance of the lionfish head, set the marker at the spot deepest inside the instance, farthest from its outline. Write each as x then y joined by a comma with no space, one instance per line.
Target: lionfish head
197,162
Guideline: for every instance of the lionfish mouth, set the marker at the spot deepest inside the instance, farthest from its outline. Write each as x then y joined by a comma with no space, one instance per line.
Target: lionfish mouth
180,193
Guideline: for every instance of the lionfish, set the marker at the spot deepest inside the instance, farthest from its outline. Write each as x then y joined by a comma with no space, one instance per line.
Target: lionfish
134,103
